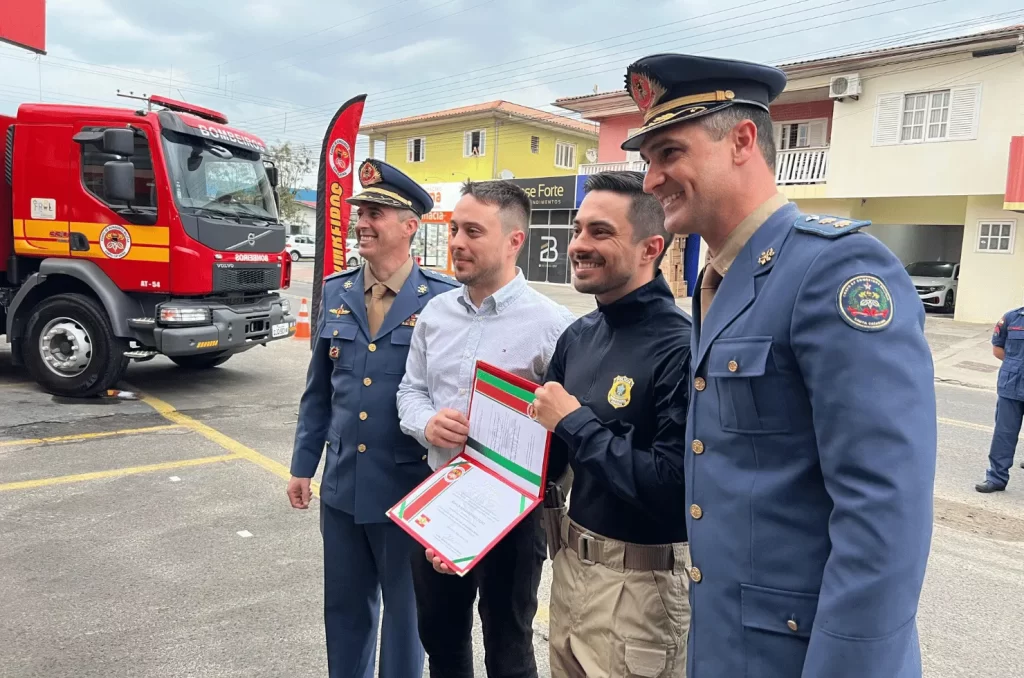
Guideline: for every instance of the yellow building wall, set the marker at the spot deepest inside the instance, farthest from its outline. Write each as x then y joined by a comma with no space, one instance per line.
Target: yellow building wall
510,141
990,284
858,169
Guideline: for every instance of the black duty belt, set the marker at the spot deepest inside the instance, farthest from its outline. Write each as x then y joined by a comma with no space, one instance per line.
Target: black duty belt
636,556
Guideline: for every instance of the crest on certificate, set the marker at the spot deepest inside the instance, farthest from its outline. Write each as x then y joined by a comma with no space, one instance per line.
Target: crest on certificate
620,392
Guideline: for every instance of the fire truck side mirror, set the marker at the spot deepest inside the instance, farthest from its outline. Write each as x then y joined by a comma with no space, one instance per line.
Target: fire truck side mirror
272,175
119,142
119,181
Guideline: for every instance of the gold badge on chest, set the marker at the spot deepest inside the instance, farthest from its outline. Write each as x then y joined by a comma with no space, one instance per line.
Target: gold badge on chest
410,321
620,392
335,352
340,311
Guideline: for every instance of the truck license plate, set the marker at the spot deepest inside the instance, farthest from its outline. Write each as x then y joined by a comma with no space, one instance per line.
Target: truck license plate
279,330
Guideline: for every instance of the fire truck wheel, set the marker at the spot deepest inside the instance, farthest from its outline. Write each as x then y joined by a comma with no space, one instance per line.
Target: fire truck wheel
70,348
204,361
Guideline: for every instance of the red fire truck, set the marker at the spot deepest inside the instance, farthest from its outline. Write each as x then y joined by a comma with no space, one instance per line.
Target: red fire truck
127,234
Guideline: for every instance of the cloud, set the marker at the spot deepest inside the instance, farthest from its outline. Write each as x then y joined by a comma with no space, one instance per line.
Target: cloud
280,70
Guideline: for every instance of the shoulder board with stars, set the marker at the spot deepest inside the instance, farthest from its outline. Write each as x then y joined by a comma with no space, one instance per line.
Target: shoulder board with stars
828,227
440,277
342,274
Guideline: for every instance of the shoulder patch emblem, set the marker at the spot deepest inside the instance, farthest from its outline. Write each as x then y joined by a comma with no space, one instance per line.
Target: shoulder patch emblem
865,303
828,227
620,392
998,325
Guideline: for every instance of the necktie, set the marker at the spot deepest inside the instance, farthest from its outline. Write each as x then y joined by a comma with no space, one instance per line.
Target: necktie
375,314
708,287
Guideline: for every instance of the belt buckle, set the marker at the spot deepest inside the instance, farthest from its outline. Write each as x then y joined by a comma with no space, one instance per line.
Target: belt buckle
583,548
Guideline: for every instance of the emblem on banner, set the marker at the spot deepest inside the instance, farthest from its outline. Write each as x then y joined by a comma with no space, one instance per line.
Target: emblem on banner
620,392
341,158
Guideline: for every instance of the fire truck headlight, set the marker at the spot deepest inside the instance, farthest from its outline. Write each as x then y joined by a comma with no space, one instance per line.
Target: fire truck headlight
170,315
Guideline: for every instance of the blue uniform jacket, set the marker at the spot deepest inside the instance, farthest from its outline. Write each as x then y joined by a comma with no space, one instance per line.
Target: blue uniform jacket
811,460
1009,335
350,398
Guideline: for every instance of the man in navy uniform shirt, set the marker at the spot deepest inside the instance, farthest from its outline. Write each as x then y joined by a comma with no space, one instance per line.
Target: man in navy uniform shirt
615,396
1008,346
811,431
363,334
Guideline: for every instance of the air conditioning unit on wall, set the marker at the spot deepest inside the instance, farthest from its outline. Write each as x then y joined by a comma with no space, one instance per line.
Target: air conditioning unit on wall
842,86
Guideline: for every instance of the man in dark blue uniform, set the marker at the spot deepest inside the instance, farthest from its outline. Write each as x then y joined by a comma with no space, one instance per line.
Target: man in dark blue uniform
349,406
1008,346
811,430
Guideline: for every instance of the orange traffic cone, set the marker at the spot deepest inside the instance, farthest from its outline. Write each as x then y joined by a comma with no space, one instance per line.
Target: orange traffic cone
302,327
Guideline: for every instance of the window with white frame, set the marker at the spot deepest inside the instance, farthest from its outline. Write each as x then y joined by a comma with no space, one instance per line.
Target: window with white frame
925,116
416,149
633,156
474,143
801,134
930,116
996,236
565,155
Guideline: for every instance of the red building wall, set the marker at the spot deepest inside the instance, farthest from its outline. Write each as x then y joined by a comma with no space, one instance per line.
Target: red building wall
614,130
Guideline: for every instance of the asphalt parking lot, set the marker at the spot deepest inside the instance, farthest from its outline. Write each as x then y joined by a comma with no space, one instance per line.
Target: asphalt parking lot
152,537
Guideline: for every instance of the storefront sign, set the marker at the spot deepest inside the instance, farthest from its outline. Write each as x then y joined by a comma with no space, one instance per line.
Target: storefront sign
550,193
445,196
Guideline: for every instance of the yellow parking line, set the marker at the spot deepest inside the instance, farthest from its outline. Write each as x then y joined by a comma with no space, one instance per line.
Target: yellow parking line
114,473
87,436
965,424
228,443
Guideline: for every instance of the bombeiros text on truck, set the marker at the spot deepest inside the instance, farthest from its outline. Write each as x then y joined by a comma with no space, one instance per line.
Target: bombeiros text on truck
127,234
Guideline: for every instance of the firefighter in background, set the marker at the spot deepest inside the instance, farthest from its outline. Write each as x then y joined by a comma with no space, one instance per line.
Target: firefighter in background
349,407
1008,346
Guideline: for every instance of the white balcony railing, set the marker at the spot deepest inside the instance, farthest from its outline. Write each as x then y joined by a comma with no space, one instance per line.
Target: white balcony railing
627,166
801,166
796,166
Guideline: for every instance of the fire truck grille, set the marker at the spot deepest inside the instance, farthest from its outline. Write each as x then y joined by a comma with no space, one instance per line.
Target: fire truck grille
247,278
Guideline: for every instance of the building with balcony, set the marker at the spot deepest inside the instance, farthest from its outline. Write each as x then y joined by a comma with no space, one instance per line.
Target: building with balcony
915,138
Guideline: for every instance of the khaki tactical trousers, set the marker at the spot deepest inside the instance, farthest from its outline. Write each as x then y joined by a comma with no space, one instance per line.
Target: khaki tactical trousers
611,621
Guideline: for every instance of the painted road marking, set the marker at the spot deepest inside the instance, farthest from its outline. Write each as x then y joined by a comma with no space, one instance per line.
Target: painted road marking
114,473
175,479
965,424
87,436
244,534
167,411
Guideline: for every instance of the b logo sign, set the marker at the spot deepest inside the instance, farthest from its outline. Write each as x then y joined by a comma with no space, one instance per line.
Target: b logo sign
548,250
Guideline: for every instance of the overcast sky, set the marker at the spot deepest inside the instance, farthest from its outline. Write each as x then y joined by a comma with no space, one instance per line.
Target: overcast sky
281,73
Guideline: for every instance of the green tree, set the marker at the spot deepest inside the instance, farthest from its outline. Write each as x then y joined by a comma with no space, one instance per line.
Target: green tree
294,165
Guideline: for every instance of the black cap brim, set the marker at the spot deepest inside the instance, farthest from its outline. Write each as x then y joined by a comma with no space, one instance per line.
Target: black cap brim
683,114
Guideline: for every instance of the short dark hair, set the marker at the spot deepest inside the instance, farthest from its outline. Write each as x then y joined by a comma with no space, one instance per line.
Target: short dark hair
512,201
645,211
719,124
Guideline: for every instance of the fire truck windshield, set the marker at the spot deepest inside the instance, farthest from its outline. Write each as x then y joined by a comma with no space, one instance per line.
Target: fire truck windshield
213,178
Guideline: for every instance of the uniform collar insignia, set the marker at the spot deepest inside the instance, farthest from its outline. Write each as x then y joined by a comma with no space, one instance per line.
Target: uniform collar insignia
422,289
348,284
766,256
341,310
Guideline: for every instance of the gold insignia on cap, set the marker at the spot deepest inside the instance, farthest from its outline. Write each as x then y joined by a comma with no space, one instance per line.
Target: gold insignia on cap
843,223
827,220
348,285
766,256
645,91
369,174
619,394
663,118
422,289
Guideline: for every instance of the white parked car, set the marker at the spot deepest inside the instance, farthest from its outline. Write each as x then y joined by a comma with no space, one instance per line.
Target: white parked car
304,247
300,247
936,283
